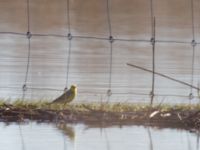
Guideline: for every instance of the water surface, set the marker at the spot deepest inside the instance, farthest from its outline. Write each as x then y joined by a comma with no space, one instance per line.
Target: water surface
42,136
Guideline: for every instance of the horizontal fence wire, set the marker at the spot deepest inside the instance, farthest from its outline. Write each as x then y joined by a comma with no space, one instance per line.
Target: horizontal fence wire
89,92
101,38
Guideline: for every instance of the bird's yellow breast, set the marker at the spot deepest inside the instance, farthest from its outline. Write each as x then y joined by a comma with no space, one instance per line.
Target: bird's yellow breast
75,91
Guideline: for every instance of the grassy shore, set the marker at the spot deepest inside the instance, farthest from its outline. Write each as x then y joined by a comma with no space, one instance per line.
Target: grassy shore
103,114
112,107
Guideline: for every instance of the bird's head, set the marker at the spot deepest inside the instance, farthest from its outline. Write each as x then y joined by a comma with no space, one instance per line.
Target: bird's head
73,87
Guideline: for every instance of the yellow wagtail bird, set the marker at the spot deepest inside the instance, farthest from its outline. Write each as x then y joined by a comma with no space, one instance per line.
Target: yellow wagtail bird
67,96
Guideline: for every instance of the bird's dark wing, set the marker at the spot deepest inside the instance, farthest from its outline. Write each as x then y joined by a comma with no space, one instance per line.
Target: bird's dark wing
63,96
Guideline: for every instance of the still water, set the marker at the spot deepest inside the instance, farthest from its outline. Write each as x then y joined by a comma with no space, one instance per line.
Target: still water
34,136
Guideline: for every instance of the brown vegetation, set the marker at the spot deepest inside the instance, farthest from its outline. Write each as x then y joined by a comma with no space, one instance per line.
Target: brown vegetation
180,116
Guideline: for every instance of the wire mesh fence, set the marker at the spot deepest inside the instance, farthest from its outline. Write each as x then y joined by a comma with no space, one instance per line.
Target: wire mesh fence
48,45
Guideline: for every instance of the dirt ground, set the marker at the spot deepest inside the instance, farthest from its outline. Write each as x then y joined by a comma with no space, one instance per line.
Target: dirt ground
173,118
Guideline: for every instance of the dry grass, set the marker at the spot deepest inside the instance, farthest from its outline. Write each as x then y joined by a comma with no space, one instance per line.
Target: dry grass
106,107
182,115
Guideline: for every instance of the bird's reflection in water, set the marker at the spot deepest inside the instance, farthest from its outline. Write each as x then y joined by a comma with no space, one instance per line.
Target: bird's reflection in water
67,130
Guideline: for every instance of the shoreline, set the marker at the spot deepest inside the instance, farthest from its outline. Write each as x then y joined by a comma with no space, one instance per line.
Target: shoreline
98,114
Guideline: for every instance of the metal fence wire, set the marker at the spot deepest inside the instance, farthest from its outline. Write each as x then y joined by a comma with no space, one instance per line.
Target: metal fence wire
116,51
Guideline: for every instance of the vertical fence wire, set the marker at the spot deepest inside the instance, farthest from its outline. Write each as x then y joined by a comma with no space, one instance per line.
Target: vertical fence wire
69,45
68,17
153,62
28,35
153,33
68,61
111,40
197,141
109,17
21,137
150,139
152,16
193,43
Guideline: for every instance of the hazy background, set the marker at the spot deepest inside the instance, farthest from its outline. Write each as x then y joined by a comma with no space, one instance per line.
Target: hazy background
90,58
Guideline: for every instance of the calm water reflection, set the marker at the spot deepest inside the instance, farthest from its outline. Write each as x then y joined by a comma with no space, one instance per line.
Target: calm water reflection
42,136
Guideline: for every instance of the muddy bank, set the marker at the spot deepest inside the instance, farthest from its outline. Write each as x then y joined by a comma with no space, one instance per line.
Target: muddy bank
187,118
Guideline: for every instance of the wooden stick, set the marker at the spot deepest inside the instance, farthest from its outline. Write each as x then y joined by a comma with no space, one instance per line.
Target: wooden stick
165,76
